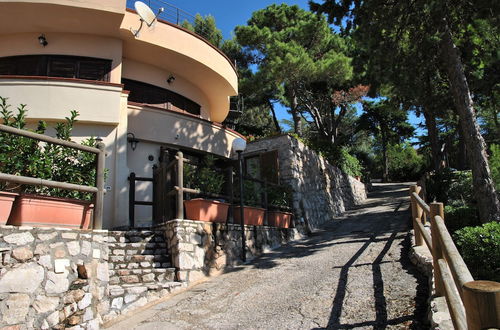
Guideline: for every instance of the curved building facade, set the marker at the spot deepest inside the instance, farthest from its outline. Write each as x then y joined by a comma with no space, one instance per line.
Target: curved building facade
167,87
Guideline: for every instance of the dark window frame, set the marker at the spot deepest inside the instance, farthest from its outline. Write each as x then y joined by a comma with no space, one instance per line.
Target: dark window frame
142,92
85,68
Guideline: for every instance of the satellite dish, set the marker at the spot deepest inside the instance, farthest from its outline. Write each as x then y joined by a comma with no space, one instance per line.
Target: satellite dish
146,14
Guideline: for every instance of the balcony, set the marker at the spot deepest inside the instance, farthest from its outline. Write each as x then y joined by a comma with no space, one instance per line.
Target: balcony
96,101
182,129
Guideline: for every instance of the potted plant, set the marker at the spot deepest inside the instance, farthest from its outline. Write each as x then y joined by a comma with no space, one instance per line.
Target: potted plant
252,213
42,206
279,204
209,181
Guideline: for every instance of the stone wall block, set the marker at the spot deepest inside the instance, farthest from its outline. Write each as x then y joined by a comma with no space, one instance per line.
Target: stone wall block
23,279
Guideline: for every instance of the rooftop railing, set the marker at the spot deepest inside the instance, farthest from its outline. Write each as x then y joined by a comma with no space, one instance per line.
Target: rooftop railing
175,15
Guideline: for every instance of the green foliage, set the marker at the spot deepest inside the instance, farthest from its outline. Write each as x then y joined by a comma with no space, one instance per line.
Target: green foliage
204,177
299,62
205,27
404,162
349,164
494,161
20,155
279,196
450,187
27,157
479,247
458,217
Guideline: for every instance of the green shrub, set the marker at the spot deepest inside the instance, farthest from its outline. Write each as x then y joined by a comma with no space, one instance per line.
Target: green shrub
279,196
349,164
458,217
480,246
28,157
450,187
204,177
404,162
494,161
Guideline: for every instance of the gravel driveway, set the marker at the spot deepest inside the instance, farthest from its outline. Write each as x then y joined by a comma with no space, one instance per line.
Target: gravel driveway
354,273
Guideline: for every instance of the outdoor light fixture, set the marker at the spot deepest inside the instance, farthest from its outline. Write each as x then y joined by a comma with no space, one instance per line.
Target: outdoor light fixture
42,40
170,79
239,145
132,140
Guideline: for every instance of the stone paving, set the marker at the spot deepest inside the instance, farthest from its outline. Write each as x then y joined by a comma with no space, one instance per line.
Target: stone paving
353,273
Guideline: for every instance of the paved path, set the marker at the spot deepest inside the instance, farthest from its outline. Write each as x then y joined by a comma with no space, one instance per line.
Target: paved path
352,274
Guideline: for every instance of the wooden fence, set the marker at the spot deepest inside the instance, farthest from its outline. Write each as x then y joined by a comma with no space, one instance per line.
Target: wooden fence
472,304
98,190
179,189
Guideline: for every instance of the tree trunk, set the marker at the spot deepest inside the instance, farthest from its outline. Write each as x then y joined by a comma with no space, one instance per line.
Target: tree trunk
297,123
432,131
275,119
484,190
385,173
462,163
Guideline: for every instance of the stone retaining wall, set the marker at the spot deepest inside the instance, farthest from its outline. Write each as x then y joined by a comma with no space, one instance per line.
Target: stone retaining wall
52,278
201,249
320,190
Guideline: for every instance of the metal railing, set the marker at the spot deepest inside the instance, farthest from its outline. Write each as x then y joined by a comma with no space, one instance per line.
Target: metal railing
98,190
472,304
179,189
175,15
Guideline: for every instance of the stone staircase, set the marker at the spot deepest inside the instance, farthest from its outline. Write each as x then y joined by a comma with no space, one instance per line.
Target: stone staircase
139,268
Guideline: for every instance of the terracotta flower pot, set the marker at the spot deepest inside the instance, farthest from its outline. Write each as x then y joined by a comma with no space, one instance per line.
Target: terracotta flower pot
254,216
206,210
44,211
6,201
279,219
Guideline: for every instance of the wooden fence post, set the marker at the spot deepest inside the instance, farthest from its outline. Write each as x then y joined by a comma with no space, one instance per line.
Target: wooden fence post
482,304
180,185
131,201
436,209
415,211
99,197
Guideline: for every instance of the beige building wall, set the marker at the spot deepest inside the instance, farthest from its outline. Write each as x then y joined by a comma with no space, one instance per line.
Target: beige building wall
53,99
66,44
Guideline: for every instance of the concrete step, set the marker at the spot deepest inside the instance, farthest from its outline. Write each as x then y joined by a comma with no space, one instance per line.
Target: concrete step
136,236
139,261
141,275
127,297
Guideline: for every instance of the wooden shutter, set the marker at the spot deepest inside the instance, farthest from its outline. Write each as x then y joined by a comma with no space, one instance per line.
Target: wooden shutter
269,166
94,69
65,67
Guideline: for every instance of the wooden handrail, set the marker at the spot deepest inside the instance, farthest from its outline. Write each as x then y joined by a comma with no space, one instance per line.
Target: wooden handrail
472,304
98,190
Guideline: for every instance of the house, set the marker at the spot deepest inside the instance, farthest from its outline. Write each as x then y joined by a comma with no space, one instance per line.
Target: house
163,88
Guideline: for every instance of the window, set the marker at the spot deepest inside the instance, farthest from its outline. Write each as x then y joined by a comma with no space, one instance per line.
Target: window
264,166
56,66
141,92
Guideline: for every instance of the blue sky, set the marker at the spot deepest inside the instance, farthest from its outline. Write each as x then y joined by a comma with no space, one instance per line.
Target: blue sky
229,13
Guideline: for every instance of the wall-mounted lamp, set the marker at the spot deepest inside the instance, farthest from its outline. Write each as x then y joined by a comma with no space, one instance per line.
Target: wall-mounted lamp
170,79
132,140
98,139
42,40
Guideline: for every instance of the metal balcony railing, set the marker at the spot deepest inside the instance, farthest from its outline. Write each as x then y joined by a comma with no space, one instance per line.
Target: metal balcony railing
175,15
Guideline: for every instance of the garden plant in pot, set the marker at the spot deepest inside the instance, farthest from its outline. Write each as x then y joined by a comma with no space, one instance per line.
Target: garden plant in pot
42,206
209,181
279,200
253,214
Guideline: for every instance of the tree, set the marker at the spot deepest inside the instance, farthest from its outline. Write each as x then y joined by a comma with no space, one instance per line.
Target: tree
297,56
388,123
430,26
205,27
